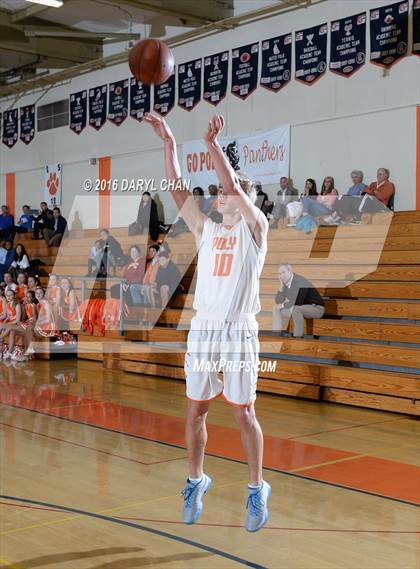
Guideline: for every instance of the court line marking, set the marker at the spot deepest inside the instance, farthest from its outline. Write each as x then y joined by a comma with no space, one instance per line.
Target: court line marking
177,522
268,468
357,426
147,529
92,448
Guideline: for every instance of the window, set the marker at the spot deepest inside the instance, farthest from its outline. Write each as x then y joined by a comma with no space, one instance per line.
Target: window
53,115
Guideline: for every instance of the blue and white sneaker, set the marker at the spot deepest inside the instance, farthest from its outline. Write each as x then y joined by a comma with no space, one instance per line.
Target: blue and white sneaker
193,498
257,507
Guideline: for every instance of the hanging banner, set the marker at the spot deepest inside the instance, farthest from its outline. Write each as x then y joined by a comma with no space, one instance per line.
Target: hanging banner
276,62
164,96
52,187
97,106
78,111
311,54
416,27
139,99
389,34
263,156
10,127
27,123
244,70
348,45
118,102
189,84
216,77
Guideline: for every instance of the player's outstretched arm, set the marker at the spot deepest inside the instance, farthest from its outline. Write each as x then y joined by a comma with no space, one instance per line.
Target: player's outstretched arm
254,217
188,207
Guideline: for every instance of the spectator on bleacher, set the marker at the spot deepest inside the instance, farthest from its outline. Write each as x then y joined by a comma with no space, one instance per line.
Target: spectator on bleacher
6,257
149,289
53,294
33,283
9,283
133,274
322,205
296,298
358,186
168,279
382,189
7,224
44,220
294,208
13,316
21,286
54,235
24,223
113,255
179,225
262,201
286,195
69,303
147,218
96,266
20,261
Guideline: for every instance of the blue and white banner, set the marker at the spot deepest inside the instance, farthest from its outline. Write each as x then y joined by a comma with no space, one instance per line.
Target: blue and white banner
10,127
78,111
97,106
389,34
27,123
216,69
276,64
139,99
348,45
189,84
244,70
311,54
118,102
164,96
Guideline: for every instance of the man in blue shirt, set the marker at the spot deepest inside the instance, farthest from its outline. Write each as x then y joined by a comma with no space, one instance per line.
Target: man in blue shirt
24,224
7,223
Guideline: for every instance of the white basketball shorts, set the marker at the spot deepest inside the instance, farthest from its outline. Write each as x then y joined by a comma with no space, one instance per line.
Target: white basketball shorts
216,346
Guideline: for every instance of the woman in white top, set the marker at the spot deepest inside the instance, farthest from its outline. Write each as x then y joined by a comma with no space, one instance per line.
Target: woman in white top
20,262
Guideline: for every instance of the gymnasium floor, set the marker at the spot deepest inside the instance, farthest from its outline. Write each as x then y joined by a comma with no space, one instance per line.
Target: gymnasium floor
92,464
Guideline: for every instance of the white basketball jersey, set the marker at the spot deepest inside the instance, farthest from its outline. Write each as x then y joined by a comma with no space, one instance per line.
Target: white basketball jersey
228,272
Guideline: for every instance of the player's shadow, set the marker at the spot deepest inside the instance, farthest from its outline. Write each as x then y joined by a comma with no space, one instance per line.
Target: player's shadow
121,563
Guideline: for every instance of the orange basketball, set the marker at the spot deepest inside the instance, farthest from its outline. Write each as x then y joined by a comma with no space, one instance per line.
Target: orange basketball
151,61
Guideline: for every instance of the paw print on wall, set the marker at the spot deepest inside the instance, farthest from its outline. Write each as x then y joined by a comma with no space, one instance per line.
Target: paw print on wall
53,183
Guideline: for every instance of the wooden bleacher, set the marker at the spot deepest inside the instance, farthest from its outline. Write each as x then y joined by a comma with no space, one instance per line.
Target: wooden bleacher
364,351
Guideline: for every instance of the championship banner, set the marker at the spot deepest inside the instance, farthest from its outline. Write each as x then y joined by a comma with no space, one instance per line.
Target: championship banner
78,111
244,70
216,77
52,188
348,45
27,123
97,106
389,34
10,127
276,64
311,54
263,156
139,99
118,101
416,27
189,84
164,96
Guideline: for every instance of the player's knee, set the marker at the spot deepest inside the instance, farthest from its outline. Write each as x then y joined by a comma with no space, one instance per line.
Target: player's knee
244,415
197,411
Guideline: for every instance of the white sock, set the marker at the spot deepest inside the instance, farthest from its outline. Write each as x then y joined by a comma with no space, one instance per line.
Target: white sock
195,480
254,486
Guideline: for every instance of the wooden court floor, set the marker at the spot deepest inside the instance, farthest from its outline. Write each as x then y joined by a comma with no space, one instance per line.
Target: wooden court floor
93,461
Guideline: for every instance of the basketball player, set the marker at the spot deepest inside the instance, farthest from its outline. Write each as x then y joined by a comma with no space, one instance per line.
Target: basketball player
224,330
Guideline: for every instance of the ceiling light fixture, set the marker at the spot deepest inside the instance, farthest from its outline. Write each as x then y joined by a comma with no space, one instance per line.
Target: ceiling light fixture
51,3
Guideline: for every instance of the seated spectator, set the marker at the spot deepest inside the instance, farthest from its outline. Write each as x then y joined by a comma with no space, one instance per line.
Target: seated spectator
133,275
294,208
113,255
168,279
33,283
382,189
69,303
96,267
13,316
9,283
149,289
211,203
53,294
55,234
179,225
262,201
21,286
285,196
296,298
46,324
44,220
358,186
7,254
7,224
322,205
24,223
20,261
147,218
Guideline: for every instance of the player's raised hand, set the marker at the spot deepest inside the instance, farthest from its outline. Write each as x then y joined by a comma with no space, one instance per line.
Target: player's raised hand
160,126
215,127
